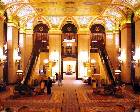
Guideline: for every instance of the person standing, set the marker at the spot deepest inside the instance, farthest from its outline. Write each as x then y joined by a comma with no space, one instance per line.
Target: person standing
59,79
49,85
56,74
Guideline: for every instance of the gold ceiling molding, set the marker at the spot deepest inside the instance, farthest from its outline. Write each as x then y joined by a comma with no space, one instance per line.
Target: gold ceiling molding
73,10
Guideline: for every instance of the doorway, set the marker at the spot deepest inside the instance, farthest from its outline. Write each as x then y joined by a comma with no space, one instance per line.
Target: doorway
69,51
69,70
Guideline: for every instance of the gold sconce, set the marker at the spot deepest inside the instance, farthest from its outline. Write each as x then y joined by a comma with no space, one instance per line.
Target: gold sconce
17,56
86,64
49,63
122,56
2,59
120,59
136,57
93,62
136,60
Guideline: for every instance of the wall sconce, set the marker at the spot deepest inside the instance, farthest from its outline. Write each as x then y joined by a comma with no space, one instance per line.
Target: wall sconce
92,62
136,60
45,61
54,56
49,63
122,56
2,59
86,64
136,57
120,59
17,56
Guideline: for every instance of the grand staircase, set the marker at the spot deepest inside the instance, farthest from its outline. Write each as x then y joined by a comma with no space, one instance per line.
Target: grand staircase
99,46
105,59
33,58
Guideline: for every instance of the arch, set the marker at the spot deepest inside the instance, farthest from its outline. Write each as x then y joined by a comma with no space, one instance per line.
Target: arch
97,28
42,19
41,28
67,20
69,28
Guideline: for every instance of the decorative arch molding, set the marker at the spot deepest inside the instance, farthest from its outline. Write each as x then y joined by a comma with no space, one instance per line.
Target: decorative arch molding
97,21
97,28
41,19
71,20
69,28
41,28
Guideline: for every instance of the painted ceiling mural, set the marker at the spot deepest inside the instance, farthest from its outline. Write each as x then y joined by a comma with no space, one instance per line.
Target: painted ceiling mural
110,13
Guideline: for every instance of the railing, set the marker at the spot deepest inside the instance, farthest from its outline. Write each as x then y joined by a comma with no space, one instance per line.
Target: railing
69,36
107,61
69,55
32,60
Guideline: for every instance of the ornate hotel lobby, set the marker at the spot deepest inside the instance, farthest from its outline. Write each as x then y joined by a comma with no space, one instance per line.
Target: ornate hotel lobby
91,46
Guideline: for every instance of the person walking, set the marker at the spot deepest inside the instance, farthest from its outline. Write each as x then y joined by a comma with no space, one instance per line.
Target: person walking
49,85
56,74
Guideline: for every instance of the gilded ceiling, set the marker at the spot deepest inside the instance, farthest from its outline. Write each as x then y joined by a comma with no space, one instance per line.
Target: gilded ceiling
84,12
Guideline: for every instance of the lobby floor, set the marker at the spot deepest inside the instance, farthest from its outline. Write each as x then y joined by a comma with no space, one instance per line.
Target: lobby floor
72,96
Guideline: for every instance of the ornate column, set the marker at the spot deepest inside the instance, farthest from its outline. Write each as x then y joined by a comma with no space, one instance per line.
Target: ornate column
83,52
1,45
28,45
137,47
22,46
116,50
126,52
12,42
55,49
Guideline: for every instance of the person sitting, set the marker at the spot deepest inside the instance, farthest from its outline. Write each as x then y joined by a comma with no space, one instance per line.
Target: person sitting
40,88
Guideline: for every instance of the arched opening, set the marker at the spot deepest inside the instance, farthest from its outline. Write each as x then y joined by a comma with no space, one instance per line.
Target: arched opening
69,51
40,52
99,56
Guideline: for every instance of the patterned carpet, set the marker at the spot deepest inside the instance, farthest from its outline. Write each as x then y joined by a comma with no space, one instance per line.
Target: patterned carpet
72,96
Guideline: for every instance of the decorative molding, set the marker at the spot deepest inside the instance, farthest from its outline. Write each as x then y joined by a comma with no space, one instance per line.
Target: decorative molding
136,18
126,25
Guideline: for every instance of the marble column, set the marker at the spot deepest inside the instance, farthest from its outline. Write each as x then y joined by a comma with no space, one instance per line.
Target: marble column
126,52
12,42
55,50
22,46
1,45
137,46
116,50
83,52
28,46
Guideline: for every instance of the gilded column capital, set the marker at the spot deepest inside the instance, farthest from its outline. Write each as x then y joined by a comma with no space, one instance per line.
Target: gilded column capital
116,31
127,18
29,31
136,18
2,8
13,19
22,30
2,18
126,25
